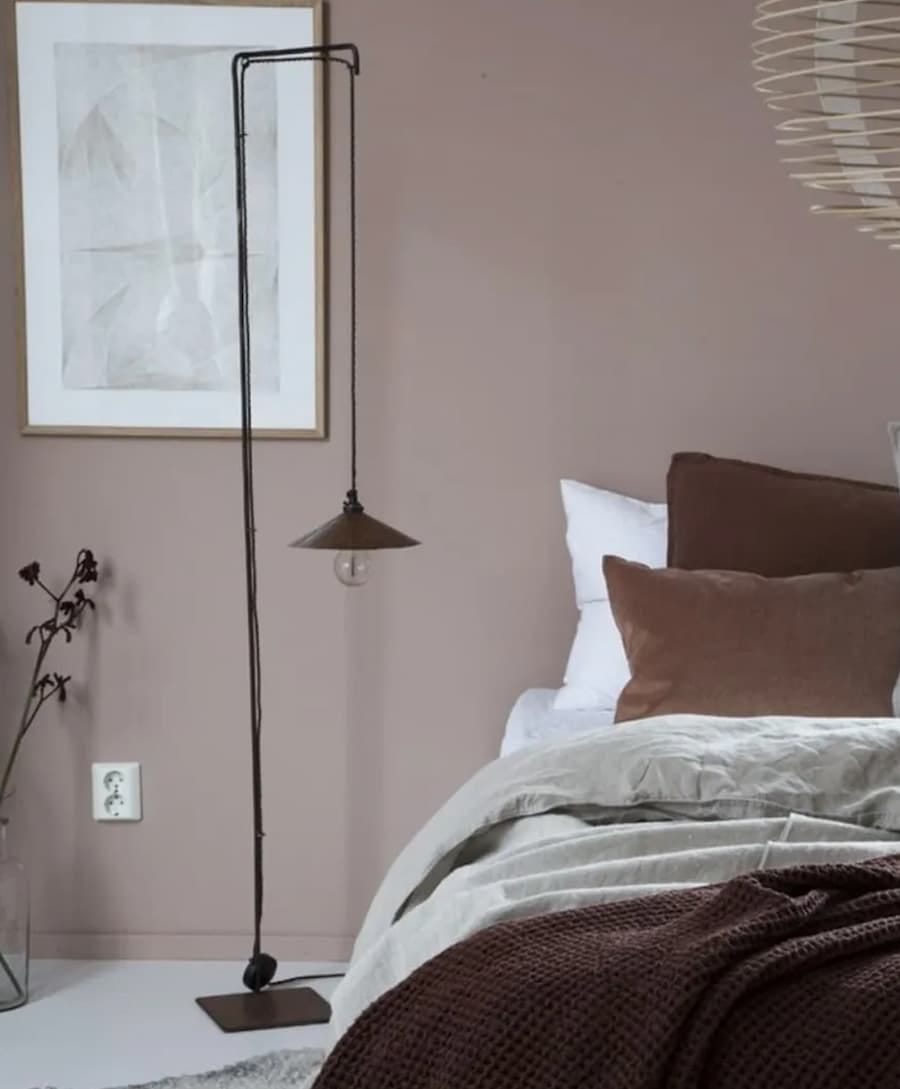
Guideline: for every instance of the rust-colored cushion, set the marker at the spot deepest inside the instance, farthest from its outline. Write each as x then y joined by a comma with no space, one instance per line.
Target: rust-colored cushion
738,516
733,643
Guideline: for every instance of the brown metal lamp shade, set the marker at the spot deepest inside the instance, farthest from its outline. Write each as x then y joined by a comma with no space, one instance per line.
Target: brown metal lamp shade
354,531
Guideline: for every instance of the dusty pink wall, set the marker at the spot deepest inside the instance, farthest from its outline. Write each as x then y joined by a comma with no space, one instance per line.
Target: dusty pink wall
578,254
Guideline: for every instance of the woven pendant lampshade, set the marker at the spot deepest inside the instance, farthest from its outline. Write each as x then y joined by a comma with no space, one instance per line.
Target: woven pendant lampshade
831,70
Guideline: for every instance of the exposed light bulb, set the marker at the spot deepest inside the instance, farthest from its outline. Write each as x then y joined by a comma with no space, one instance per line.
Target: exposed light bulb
352,568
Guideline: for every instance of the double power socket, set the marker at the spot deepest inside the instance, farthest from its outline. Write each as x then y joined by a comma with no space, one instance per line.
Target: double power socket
116,792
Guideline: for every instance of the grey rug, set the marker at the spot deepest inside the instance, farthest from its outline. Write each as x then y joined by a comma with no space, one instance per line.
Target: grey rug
277,1070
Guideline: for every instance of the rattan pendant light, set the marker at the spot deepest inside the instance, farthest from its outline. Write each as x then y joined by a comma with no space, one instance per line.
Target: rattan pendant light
832,72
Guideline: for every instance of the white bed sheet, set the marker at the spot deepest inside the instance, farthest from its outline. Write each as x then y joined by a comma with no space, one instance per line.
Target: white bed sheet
533,721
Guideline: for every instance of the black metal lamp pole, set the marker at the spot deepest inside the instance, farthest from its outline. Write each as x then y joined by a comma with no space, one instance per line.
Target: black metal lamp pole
352,533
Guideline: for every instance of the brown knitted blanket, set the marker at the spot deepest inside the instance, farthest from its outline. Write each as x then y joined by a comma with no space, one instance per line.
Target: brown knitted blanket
783,979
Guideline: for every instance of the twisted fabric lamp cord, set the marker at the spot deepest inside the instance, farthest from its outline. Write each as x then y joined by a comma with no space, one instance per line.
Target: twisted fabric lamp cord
352,281
261,967
249,510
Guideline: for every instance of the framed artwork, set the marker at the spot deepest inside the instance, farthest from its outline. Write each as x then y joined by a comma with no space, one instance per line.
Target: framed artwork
124,134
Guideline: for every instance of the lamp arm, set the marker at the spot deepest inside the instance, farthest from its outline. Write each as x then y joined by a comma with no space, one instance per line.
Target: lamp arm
329,52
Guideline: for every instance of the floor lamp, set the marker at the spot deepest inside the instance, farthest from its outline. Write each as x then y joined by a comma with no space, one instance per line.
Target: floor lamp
352,534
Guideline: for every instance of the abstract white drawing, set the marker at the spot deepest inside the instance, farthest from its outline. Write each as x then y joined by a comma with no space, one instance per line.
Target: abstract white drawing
147,219
138,133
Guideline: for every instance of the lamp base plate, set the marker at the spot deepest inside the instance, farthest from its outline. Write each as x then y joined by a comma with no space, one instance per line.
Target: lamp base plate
282,1008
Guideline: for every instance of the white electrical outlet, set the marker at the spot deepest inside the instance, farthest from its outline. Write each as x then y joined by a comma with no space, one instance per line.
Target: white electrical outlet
117,792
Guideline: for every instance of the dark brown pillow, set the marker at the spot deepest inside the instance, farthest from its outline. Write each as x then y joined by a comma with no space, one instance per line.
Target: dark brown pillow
737,516
731,643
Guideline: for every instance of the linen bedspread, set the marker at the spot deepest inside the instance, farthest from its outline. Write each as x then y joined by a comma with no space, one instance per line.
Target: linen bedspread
662,806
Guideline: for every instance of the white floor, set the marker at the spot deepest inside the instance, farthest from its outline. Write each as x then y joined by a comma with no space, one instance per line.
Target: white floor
96,1024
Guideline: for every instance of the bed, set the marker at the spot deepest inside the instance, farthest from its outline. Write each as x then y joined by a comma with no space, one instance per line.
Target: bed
534,720
668,808
654,893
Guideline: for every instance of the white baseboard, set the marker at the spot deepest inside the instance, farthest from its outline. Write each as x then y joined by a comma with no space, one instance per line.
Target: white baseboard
299,947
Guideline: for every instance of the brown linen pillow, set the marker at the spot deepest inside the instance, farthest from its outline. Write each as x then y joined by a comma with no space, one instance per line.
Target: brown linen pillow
737,516
732,643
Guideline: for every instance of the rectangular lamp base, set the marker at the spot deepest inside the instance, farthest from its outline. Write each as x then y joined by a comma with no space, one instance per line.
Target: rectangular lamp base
281,1008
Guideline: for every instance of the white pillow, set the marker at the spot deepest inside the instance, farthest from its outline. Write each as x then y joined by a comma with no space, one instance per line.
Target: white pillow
601,523
598,524
597,669
533,721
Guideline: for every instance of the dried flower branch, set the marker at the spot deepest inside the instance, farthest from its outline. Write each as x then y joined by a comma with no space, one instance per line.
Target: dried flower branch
69,608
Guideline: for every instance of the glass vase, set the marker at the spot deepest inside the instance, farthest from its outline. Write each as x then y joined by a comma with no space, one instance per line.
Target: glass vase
14,927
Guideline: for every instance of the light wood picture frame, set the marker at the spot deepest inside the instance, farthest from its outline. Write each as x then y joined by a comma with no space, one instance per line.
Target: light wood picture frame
123,161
